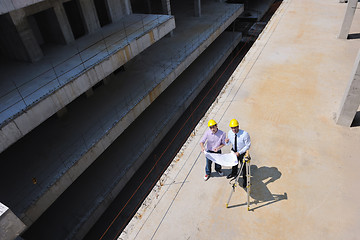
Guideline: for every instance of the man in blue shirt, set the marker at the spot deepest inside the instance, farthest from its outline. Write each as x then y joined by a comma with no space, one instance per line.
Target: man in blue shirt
215,141
240,141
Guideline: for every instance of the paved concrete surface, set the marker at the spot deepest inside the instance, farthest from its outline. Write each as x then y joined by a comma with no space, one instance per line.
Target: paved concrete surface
305,167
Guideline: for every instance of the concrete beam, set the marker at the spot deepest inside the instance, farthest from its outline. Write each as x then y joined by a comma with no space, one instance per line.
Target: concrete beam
349,16
351,99
10,225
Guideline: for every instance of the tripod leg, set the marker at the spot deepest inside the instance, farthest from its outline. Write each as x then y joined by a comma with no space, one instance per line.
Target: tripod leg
248,184
232,190
236,179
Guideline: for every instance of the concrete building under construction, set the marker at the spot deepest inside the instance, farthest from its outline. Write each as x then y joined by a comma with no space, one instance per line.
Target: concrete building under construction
88,89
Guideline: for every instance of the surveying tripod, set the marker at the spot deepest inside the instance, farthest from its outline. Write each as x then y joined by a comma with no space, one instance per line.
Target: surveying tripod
234,182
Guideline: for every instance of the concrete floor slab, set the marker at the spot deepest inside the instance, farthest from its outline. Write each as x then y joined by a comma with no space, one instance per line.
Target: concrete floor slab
305,167
68,71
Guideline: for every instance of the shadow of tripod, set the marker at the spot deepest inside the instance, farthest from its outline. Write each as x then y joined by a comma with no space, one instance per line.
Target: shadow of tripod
259,191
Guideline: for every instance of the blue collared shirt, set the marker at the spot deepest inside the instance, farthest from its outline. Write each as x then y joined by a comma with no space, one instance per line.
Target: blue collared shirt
243,140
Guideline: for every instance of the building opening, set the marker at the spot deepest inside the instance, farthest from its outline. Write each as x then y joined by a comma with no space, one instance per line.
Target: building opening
102,12
74,17
46,27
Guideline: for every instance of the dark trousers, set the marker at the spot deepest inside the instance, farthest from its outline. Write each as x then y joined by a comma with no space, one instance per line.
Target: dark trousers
235,168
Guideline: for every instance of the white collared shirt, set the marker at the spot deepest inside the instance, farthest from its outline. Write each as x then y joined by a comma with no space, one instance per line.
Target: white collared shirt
243,140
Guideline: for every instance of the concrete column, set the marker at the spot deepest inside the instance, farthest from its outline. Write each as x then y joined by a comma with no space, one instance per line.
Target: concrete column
351,99
118,9
167,10
10,225
127,6
349,16
63,22
197,8
89,14
148,3
26,35
166,7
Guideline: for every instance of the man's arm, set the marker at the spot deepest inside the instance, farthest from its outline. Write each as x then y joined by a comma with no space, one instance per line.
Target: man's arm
218,148
202,146
227,140
203,140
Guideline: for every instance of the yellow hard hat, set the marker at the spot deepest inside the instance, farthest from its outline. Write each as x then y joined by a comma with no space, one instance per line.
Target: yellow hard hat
211,123
234,123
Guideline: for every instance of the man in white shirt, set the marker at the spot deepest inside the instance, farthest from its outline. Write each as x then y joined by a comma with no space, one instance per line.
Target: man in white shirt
240,141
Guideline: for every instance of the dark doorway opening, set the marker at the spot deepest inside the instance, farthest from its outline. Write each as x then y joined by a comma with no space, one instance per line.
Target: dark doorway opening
102,12
140,6
11,45
74,17
46,27
156,7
